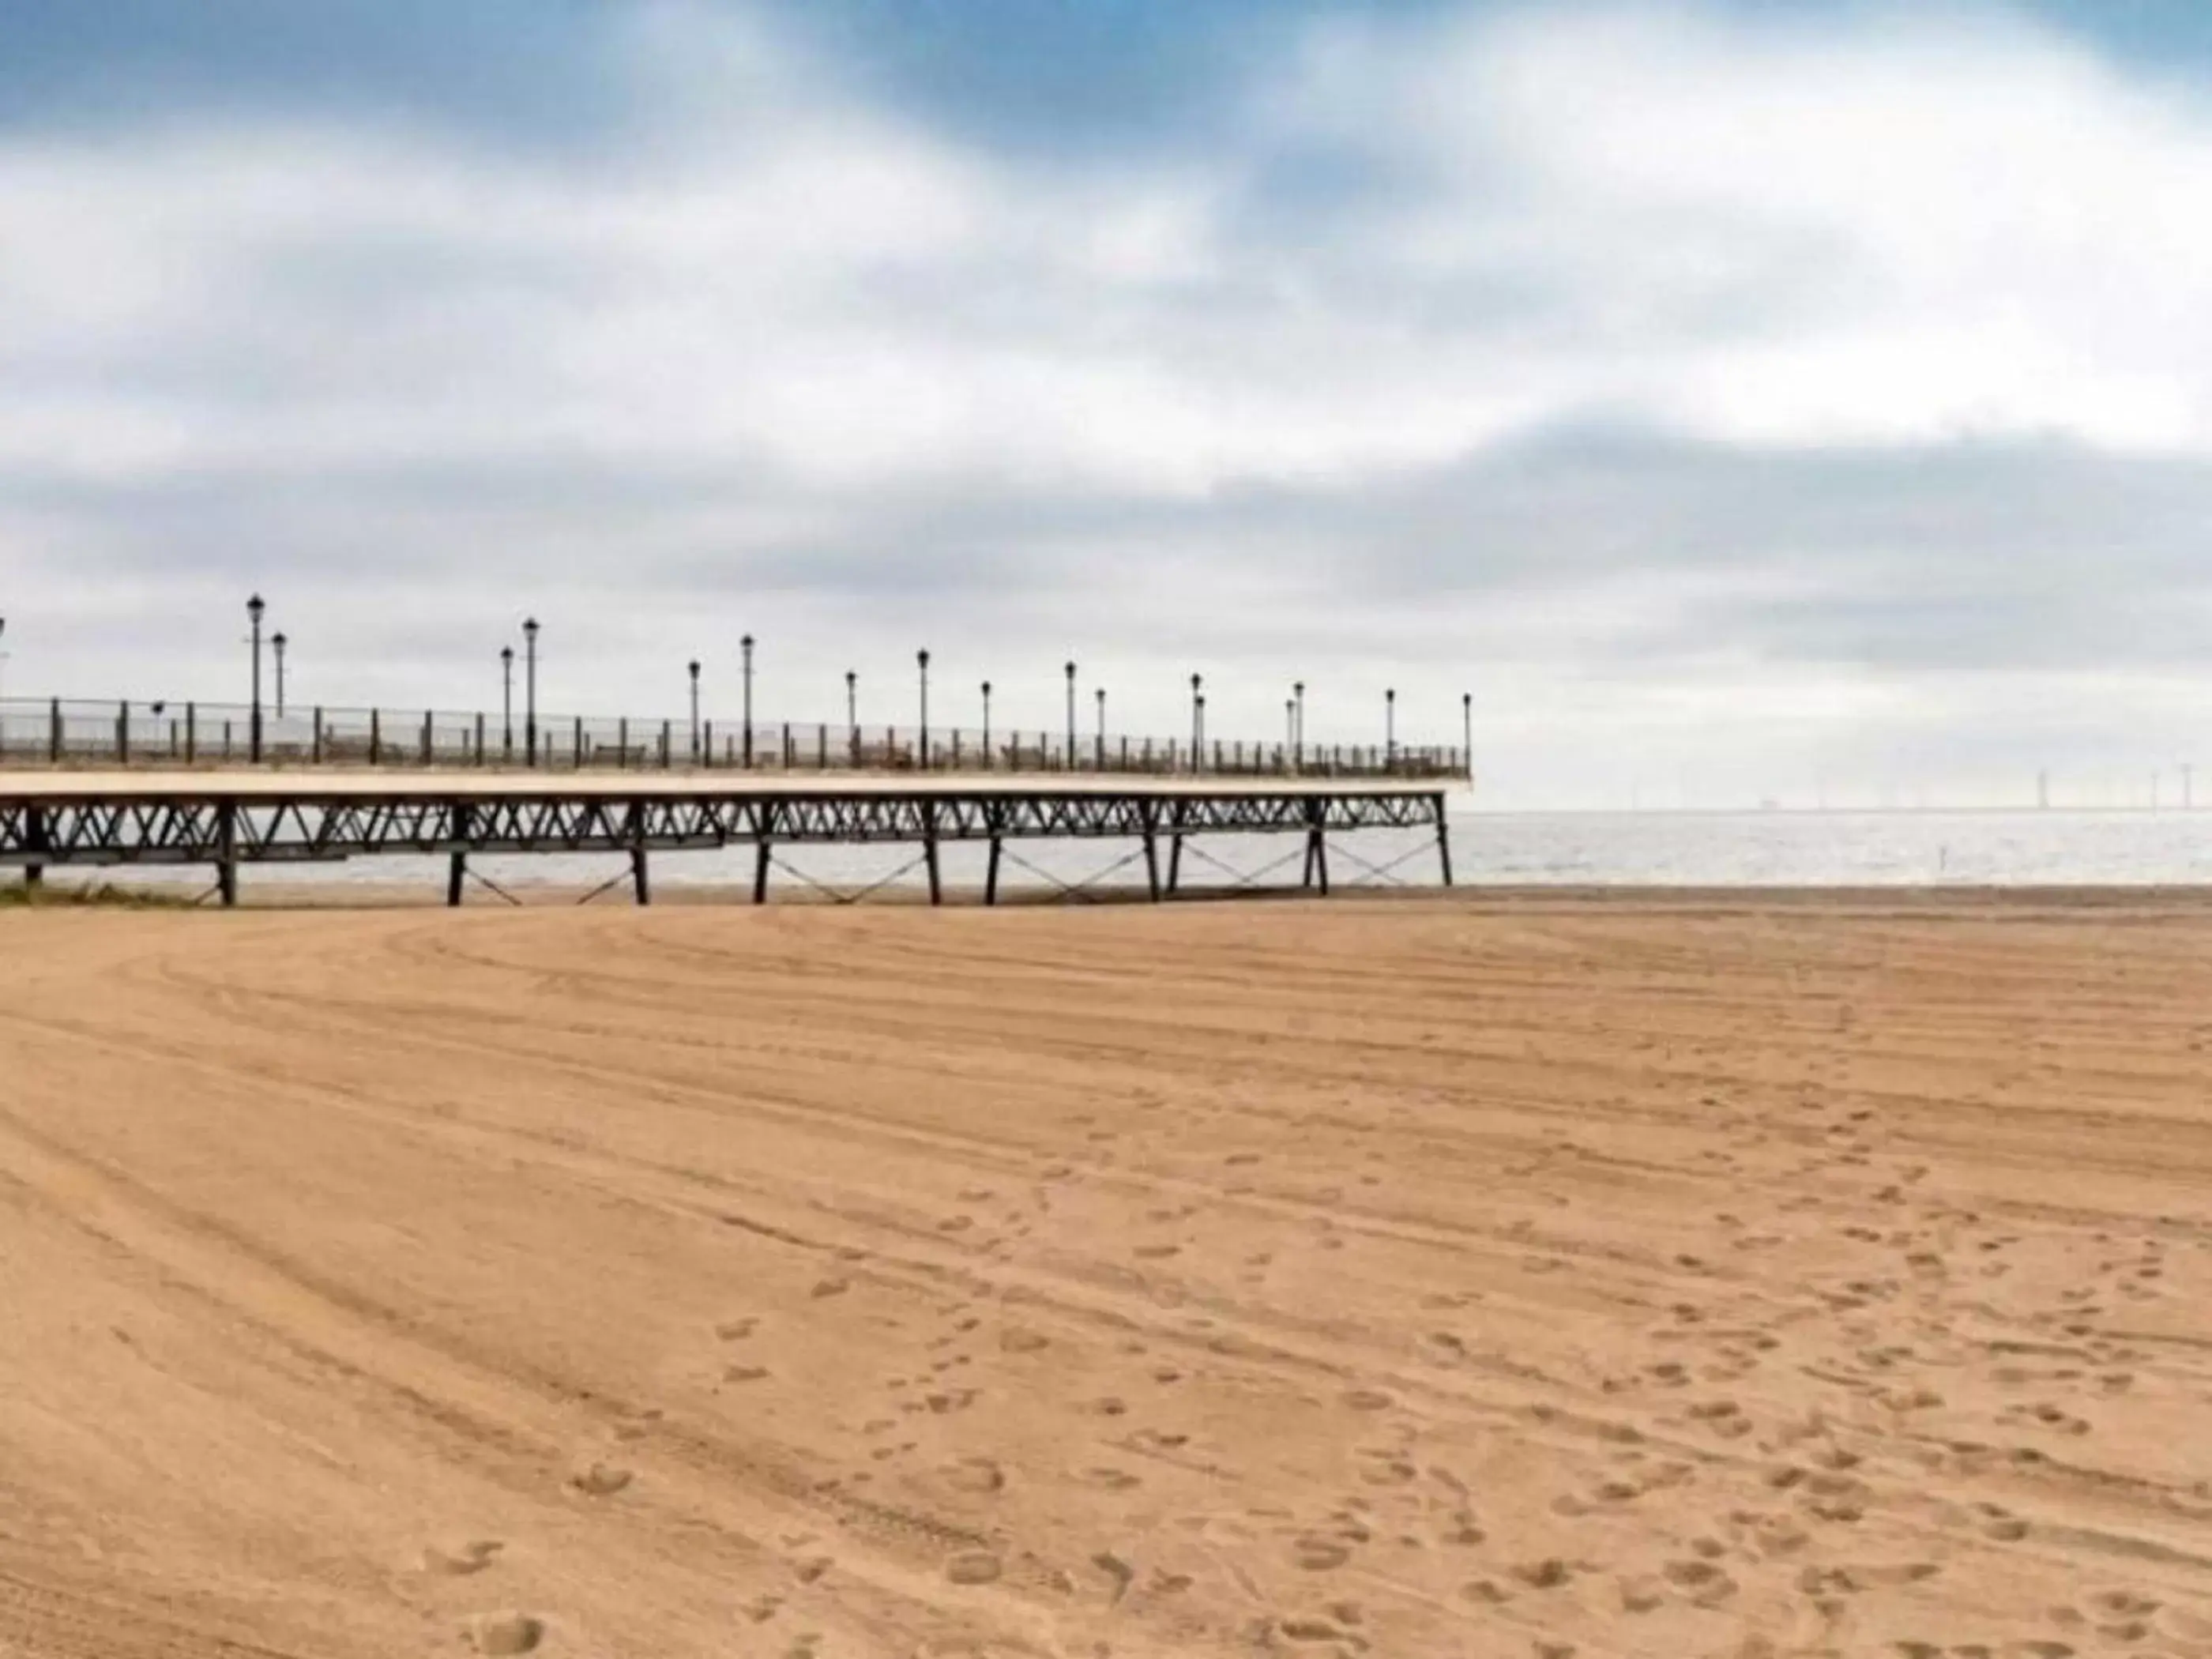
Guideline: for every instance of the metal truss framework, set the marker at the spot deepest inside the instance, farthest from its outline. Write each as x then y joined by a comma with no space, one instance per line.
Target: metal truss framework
225,830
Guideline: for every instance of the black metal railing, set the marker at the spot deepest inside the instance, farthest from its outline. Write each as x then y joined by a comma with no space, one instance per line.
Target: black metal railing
58,731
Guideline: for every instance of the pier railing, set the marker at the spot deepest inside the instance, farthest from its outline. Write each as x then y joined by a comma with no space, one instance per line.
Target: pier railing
58,732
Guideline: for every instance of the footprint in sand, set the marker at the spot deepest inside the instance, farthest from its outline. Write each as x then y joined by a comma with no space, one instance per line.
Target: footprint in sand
1017,1339
1317,1554
978,1476
600,1479
471,1556
973,1567
500,1633
736,1330
830,1287
744,1373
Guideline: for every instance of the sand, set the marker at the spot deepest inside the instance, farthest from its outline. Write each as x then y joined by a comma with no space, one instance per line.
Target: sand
1469,1276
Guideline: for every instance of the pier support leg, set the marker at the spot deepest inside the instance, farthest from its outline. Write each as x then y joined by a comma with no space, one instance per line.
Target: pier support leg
226,867
1175,865
763,827
1317,847
639,879
1151,852
929,852
1443,843
35,840
991,872
457,866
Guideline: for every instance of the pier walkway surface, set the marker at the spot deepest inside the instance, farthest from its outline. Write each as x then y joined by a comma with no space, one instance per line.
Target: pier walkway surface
225,818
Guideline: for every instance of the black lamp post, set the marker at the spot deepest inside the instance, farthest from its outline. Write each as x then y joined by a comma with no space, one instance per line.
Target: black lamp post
745,645
1197,704
1071,717
1389,728
987,724
253,610
506,701
530,692
276,644
922,659
1299,724
1290,725
1102,728
1467,731
852,711
695,710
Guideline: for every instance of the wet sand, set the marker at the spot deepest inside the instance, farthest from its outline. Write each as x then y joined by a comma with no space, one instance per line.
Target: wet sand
1457,1277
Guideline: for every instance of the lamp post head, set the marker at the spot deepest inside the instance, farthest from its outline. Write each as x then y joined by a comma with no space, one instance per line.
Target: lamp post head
1071,671
254,607
507,654
278,640
694,666
852,679
922,657
987,688
1195,681
747,642
1390,697
1299,688
530,626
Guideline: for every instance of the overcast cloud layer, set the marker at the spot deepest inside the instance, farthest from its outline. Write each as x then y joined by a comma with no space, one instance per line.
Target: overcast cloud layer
1774,403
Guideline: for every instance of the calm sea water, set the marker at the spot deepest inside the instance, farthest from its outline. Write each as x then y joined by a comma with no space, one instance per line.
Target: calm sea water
1748,849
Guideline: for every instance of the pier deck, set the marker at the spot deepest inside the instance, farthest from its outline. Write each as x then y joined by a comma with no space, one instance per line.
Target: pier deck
224,819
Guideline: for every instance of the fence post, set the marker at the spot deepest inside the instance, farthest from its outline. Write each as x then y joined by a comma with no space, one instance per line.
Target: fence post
375,736
54,731
315,743
425,737
667,747
822,747
622,738
577,745
192,733
786,745
480,737
226,739
123,733
707,747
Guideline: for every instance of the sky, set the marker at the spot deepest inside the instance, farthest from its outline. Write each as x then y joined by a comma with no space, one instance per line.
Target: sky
1737,401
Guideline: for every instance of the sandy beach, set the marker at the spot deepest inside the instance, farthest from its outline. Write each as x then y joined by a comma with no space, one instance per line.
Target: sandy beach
1463,1276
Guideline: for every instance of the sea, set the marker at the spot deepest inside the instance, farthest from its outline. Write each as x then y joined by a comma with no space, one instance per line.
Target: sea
1773,848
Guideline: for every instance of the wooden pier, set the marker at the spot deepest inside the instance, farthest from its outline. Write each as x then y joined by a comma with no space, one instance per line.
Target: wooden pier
224,820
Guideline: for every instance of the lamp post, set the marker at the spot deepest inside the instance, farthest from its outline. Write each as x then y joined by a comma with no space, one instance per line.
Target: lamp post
278,642
1197,704
1389,728
530,692
922,660
507,702
1299,725
1102,728
853,711
1290,724
987,726
1197,750
745,645
1071,717
695,710
1467,731
254,608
